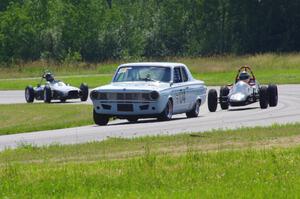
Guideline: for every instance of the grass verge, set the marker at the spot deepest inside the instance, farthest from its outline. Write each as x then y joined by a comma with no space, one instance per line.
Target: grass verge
219,70
114,168
19,118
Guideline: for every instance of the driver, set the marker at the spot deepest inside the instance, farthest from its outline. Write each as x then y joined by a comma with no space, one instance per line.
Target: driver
245,77
49,77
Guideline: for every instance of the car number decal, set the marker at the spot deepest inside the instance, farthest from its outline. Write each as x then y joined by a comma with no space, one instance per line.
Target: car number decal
180,97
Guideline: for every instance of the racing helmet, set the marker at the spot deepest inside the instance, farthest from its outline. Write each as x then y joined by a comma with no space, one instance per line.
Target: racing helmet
244,76
49,77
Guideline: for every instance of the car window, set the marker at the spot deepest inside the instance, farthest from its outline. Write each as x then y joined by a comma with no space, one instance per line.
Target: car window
184,74
177,75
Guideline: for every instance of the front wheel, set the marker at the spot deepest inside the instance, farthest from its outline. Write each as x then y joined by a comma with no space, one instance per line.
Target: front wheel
195,111
84,92
212,100
263,97
167,112
100,119
29,94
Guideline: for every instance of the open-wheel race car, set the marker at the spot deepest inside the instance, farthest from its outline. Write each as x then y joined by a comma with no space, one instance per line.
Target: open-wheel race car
246,90
55,90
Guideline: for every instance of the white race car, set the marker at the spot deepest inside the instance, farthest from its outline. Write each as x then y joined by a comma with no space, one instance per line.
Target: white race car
147,90
55,90
246,90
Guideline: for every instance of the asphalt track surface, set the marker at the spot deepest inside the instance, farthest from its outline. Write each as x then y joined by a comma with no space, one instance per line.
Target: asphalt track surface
287,111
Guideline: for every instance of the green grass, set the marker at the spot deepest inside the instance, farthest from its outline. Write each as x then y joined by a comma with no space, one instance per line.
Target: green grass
19,118
219,70
114,168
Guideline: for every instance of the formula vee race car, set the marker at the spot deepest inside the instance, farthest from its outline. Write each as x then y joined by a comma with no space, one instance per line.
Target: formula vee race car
55,90
148,90
246,90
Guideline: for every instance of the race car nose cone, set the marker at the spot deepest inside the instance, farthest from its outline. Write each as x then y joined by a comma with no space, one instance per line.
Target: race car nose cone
238,97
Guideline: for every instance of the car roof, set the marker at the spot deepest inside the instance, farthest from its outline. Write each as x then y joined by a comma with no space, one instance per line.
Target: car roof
161,64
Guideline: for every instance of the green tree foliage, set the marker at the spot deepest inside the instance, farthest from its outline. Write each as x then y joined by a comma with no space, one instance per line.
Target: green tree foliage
97,30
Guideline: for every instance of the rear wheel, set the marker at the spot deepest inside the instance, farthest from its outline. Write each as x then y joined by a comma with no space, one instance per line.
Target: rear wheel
47,94
212,100
85,92
29,94
273,95
195,111
167,112
100,119
224,91
263,97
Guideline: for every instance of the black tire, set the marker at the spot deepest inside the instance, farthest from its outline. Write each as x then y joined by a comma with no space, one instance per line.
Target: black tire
212,100
263,97
167,112
195,111
100,119
29,94
224,91
273,95
132,119
47,94
63,100
85,92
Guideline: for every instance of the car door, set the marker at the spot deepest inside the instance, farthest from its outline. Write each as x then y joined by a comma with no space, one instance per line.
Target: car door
178,91
188,89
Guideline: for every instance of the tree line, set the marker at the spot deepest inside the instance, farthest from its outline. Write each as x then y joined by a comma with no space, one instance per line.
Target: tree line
97,30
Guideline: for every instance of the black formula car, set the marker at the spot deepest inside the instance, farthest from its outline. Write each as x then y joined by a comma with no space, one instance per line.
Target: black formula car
55,90
246,90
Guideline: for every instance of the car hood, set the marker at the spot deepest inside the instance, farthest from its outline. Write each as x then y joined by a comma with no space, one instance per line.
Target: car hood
240,91
134,86
63,88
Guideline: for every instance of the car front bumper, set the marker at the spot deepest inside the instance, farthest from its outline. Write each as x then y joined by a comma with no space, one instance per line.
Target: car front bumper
128,108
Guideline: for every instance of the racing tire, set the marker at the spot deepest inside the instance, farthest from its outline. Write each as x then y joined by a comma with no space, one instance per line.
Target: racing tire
167,113
212,100
47,94
273,95
85,92
224,91
263,97
132,119
195,111
100,119
29,94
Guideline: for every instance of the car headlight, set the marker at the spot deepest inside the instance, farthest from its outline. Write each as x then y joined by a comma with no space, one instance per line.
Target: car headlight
154,95
94,95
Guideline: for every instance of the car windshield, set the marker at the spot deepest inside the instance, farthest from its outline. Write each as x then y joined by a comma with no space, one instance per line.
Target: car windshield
143,73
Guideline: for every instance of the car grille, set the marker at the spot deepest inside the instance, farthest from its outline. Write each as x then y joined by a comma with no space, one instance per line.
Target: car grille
123,96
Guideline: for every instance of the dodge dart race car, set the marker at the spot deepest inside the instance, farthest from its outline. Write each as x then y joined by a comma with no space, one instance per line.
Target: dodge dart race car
246,90
147,90
55,90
